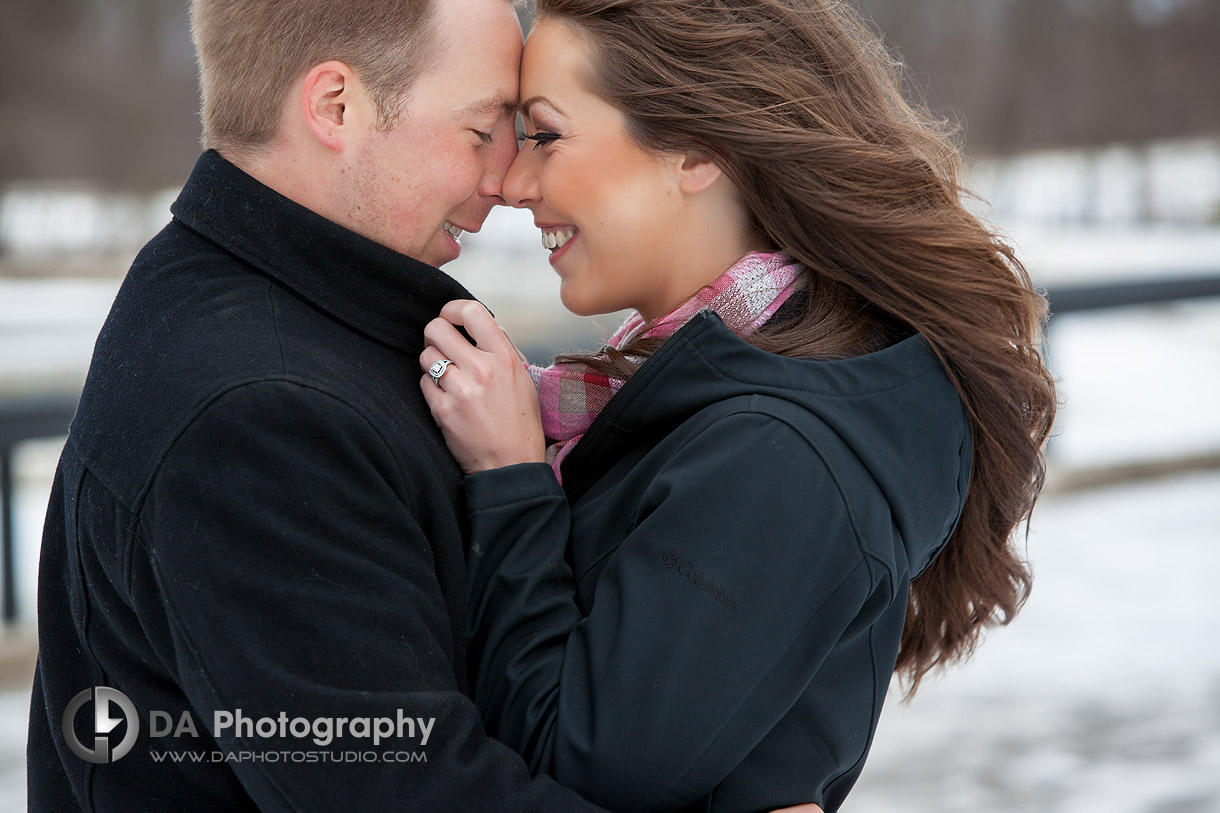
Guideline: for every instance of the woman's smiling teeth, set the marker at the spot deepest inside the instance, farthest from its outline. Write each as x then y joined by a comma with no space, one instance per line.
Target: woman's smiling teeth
554,239
453,231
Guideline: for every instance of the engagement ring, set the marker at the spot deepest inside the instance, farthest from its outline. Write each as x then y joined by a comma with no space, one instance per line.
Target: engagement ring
438,369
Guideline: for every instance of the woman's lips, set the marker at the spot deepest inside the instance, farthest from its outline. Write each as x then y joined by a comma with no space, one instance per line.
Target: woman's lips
555,238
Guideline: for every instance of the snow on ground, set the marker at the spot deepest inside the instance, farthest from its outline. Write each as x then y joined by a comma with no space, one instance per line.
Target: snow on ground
47,331
14,719
1137,384
1104,693
1078,255
1175,180
58,219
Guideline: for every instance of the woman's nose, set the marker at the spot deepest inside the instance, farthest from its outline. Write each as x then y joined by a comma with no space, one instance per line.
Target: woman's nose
521,183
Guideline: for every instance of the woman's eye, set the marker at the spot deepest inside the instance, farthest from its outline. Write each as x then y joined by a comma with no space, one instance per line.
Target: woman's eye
541,138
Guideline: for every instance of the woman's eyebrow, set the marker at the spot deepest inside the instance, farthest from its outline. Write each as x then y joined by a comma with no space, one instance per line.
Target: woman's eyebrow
533,100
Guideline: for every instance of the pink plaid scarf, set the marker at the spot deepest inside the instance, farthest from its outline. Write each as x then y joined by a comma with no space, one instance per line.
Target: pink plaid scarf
747,295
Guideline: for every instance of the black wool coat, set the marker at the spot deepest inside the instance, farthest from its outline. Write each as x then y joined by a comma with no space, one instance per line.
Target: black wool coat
254,514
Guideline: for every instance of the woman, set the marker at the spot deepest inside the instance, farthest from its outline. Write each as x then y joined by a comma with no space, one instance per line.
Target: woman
796,469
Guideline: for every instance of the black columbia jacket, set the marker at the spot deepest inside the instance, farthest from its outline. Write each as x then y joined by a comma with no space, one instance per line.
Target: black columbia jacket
254,514
707,615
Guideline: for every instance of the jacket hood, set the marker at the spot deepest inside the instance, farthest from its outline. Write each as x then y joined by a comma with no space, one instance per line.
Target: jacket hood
896,409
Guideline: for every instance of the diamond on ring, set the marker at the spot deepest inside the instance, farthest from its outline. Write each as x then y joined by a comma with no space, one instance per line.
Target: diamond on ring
438,369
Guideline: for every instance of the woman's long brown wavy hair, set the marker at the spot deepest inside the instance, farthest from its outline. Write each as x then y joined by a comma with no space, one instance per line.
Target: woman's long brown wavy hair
801,106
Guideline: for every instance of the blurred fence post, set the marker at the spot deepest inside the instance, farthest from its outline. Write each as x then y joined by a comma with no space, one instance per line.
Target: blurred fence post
23,418
7,543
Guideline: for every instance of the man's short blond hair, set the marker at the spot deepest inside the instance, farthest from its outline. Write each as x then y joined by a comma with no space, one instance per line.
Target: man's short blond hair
251,51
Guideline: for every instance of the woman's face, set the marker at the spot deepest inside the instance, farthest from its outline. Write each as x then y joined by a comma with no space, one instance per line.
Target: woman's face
611,213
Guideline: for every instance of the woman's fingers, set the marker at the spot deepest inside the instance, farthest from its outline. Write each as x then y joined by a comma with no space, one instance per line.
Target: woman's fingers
491,357
480,324
442,335
492,346
484,400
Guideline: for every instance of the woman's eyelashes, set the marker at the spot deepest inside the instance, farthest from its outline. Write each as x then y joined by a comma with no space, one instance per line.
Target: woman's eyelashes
539,138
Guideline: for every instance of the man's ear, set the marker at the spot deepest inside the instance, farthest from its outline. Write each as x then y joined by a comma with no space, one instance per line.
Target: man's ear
326,103
696,172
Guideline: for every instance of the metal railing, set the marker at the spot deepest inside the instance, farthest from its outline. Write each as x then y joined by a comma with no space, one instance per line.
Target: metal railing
1075,298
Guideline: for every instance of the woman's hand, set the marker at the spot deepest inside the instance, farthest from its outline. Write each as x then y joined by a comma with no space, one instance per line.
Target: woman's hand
485,402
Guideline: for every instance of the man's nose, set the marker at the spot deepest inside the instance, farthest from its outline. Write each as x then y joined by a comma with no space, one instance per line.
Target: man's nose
499,158
520,187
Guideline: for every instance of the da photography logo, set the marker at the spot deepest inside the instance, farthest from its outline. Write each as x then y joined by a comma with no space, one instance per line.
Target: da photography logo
105,700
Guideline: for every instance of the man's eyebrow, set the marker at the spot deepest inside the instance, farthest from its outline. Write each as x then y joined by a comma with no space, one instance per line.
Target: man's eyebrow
525,106
493,104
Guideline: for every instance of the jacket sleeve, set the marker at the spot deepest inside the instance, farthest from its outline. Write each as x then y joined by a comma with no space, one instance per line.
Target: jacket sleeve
297,583
737,575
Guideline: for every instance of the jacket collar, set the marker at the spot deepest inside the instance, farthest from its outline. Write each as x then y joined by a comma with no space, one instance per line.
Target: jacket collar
704,363
371,288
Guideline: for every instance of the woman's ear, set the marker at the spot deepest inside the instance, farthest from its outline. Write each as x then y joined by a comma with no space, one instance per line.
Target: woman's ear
326,99
696,172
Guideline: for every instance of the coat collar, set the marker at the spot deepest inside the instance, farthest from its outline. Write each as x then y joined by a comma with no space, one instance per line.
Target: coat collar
371,288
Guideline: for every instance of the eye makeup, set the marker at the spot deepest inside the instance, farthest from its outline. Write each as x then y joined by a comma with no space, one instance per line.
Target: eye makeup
541,138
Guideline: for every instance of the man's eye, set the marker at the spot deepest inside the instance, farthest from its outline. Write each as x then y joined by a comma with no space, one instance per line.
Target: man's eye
485,138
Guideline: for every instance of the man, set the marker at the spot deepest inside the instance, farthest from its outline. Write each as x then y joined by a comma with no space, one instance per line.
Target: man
253,539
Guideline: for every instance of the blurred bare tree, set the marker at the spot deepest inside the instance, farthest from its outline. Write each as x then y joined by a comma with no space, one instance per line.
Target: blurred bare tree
1030,74
105,89
97,89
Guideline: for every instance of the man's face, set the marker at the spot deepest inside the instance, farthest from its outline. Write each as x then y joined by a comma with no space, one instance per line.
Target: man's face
441,166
